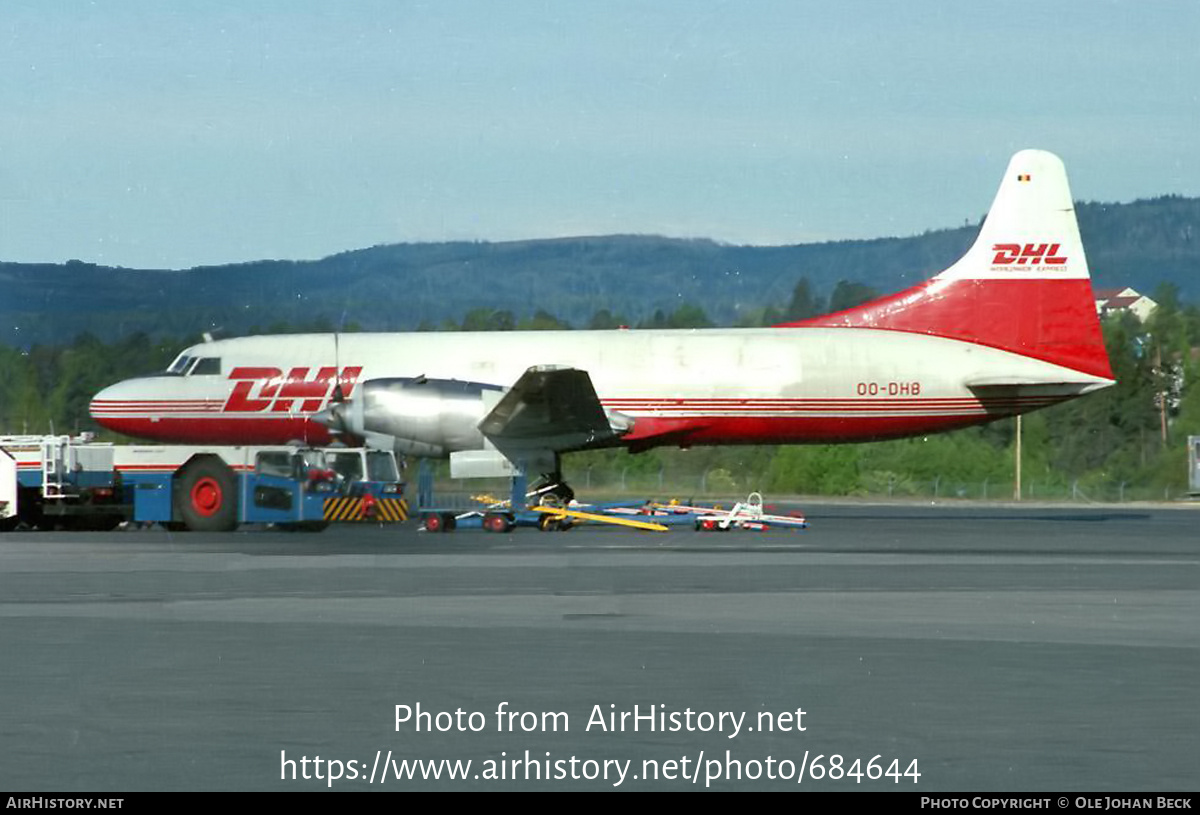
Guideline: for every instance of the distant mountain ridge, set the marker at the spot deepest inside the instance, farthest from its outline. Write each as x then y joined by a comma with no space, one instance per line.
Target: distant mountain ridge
400,286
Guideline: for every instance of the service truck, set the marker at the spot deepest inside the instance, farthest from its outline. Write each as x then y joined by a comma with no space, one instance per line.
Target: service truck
77,483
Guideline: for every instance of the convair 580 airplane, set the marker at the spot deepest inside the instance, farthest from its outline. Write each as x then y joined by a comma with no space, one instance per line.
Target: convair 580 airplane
1011,327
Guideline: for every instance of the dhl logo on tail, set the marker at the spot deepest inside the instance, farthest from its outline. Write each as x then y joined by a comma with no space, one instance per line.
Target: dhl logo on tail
1008,254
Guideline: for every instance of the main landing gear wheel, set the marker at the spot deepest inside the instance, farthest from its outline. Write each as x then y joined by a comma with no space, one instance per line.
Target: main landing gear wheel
206,496
552,523
552,491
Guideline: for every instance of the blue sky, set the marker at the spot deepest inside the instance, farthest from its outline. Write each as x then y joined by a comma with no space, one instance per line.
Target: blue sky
174,134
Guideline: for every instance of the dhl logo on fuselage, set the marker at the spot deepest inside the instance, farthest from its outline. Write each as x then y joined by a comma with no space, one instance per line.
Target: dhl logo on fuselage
1029,254
268,389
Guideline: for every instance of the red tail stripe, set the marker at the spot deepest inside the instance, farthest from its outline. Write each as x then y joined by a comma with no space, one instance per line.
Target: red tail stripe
1049,320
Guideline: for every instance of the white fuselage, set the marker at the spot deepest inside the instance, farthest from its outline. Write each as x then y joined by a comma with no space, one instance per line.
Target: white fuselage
704,386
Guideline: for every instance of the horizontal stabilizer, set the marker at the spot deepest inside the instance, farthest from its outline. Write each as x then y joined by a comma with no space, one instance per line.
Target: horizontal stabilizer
1011,395
1030,385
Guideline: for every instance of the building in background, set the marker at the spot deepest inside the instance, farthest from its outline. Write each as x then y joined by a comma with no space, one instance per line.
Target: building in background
1113,301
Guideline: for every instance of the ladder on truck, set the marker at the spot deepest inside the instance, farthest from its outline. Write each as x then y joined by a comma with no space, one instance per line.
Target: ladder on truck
52,465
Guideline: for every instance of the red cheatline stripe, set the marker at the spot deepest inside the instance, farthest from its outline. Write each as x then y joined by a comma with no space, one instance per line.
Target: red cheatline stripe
866,406
853,405
120,408
162,407
782,403
778,404
154,411
152,402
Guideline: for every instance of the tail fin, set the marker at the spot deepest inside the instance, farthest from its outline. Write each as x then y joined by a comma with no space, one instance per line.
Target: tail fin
1023,286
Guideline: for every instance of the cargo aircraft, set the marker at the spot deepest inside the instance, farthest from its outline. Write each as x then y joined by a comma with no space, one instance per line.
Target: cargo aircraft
1010,327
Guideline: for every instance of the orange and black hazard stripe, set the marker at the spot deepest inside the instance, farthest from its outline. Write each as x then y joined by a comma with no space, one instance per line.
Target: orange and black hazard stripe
366,508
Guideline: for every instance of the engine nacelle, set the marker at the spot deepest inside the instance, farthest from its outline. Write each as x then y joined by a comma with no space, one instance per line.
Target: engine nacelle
426,417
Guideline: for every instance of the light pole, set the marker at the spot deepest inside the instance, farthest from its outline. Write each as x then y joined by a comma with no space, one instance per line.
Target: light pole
1017,467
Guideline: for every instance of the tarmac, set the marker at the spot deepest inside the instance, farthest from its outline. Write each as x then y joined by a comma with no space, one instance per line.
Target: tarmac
922,648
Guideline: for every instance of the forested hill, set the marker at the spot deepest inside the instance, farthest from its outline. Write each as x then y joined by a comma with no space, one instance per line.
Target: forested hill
406,286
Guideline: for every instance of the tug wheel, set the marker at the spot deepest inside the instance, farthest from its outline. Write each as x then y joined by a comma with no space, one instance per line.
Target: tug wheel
206,496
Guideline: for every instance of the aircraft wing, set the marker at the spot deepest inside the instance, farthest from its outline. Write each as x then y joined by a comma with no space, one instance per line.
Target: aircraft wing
551,408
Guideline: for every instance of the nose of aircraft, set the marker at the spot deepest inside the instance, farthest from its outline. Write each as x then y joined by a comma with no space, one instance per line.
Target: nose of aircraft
127,407
111,405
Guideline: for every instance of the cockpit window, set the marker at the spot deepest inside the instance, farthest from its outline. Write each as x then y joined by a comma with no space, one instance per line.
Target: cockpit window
180,364
207,366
